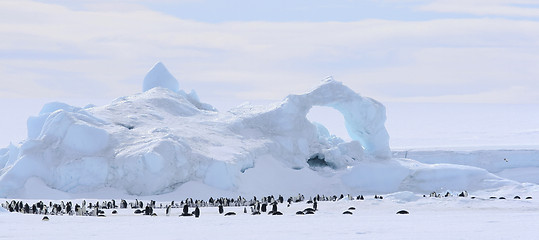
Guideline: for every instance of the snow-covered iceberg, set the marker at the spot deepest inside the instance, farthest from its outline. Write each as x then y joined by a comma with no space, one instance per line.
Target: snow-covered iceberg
156,141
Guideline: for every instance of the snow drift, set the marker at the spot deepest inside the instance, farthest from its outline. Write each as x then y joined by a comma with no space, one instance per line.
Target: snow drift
161,139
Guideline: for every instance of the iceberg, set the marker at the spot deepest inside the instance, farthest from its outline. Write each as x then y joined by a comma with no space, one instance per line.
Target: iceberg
156,141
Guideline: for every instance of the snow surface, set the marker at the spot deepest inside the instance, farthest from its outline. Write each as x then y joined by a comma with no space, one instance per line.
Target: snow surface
166,142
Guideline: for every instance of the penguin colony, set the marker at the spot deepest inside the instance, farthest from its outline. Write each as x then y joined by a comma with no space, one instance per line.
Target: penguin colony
267,205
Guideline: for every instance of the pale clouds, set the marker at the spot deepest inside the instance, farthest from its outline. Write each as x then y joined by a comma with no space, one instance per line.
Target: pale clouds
513,8
51,50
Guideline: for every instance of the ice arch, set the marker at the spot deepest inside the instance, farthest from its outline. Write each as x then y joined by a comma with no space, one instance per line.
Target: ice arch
364,117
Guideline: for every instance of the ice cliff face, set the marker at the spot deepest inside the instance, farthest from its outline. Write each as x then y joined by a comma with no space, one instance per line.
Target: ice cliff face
154,141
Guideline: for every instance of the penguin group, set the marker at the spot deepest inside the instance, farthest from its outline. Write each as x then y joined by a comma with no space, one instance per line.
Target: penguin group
464,194
268,205
60,208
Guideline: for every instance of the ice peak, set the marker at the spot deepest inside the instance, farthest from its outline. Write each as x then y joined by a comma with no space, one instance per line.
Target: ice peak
159,76
328,79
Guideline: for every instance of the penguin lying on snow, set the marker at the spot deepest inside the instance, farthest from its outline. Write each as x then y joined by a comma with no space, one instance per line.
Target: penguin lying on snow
308,211
402,212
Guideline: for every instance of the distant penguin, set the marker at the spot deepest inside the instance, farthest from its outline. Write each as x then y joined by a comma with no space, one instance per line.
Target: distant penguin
351,208
347,213
185,209
315,205
45,218
114,212
516,197
167,211
230,214
529,198
264,206
148,210
300,213
308,212
402,212
221,209
197,212
274,208
185,212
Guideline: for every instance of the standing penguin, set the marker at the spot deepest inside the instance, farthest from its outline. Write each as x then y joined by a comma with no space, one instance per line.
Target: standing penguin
315,205
221,209
185,210
167,212
26,208
197,212
148,210
274,208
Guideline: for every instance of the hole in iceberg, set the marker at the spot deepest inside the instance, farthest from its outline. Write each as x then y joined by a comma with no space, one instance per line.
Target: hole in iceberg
318,161
329,122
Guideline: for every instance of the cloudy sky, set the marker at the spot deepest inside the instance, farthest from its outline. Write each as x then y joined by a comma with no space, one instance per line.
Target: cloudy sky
436,51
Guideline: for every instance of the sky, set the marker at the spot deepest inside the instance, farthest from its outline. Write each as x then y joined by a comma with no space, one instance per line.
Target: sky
230,52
